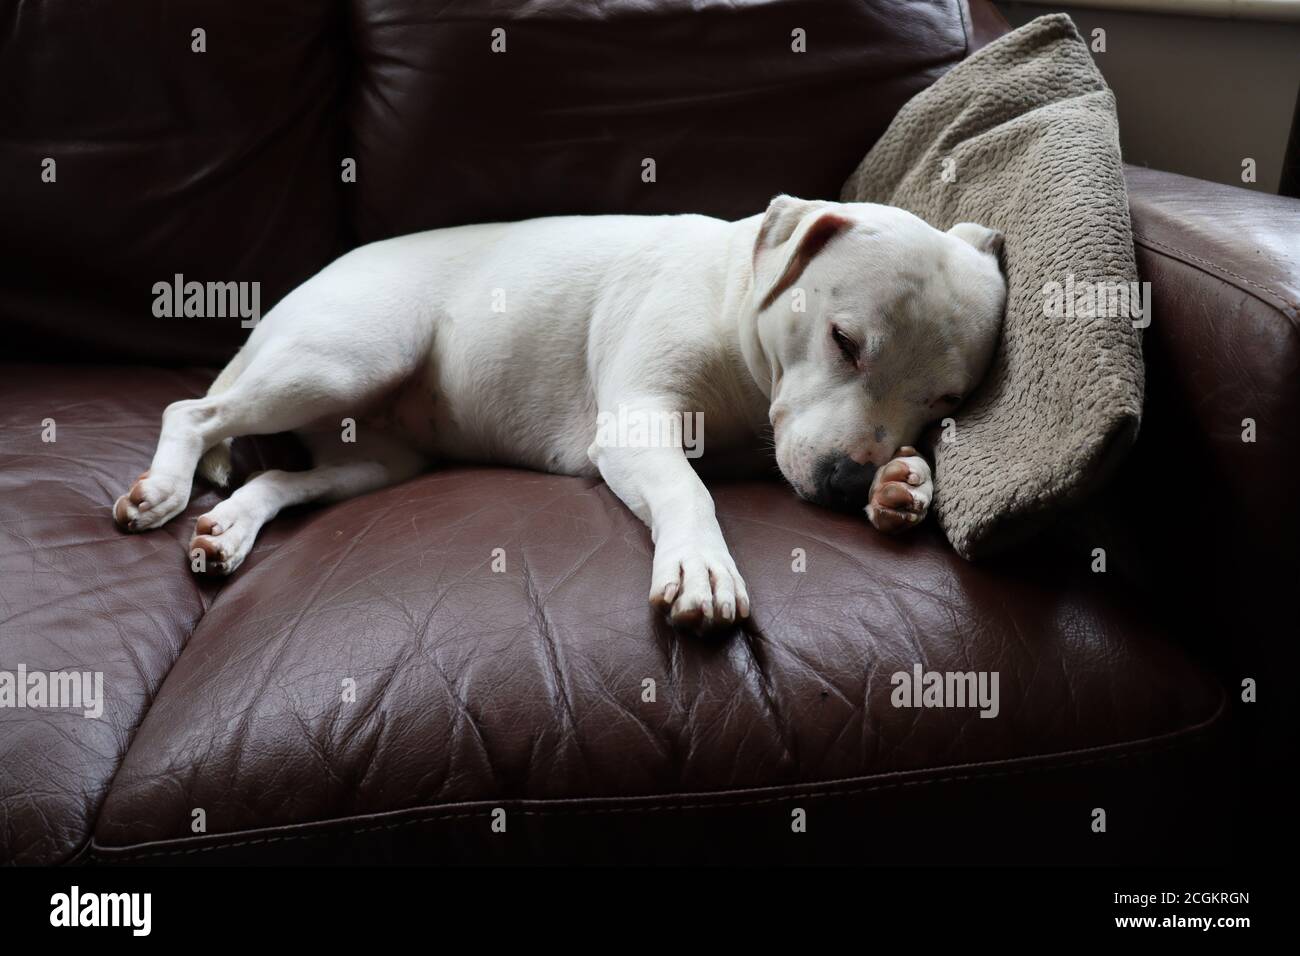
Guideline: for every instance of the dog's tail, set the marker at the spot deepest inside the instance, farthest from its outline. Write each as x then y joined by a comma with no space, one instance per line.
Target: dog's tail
215,464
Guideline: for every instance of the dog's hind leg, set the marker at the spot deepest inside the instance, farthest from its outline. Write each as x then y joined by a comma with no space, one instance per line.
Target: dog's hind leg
224,536
162,492
287,384
215,464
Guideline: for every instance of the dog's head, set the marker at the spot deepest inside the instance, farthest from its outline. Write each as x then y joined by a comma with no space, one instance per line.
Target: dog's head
871,324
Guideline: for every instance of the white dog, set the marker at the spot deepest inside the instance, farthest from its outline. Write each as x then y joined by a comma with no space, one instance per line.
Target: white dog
845,328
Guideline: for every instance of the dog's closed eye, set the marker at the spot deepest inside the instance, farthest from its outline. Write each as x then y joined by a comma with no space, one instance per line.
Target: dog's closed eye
847,346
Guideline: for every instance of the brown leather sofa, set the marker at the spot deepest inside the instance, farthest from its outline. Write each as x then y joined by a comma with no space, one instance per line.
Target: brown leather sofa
227,733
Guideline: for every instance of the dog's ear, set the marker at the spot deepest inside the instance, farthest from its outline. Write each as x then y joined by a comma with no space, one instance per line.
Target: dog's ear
792,233
981,237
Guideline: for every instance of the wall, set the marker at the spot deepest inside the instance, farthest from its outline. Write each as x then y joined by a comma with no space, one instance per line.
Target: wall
1196,95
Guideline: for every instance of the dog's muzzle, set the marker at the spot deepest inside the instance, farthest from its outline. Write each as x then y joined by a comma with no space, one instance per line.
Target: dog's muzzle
841,483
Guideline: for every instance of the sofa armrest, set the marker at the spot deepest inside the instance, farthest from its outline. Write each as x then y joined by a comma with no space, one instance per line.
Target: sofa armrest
1214,520
1203,506
1224,344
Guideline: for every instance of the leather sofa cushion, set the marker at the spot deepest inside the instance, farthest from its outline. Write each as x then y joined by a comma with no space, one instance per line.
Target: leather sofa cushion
524,687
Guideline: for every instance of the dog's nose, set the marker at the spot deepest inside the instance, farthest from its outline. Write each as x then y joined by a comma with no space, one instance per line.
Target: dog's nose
843,483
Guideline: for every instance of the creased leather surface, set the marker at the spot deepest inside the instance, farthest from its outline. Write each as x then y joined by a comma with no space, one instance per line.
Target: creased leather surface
448,132
474,685
76,594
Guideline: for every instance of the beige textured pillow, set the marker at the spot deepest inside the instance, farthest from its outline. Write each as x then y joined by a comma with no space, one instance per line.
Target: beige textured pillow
1023,137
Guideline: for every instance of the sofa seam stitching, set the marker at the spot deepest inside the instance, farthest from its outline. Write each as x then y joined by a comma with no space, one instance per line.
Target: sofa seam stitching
1180,739
1219,272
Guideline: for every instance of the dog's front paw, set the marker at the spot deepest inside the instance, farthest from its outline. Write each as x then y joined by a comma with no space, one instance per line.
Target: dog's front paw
698,586
901,492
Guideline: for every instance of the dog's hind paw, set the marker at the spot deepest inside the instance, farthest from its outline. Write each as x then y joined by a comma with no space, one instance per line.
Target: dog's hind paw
901,492
222,539
151,502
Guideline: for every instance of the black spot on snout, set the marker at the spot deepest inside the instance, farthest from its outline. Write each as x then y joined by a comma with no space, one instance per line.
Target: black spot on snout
840,483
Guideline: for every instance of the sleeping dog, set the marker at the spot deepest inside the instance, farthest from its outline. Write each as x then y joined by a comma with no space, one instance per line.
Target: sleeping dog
844,328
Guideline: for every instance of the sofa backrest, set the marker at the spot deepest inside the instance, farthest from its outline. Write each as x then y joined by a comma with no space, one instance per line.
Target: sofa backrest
127,157
134,149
